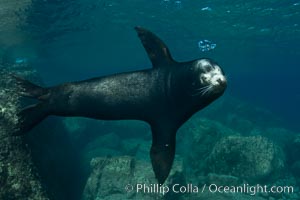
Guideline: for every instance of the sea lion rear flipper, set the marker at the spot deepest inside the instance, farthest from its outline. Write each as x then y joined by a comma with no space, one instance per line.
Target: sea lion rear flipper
162,152
33,114
158,52
29,117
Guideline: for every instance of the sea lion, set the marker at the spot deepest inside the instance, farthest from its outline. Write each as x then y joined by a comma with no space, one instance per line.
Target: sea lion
165,96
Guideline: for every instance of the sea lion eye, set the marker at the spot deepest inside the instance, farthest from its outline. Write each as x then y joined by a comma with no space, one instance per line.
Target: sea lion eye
207,68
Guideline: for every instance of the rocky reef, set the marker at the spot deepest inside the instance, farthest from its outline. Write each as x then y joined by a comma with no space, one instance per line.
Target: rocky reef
41,164
18,175
210,152
117,177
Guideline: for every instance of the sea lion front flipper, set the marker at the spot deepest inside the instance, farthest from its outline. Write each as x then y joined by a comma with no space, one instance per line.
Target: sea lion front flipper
162,152
158,52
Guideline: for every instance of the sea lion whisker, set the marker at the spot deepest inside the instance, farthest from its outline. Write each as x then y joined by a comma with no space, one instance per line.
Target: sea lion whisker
207,91
198,92
202,88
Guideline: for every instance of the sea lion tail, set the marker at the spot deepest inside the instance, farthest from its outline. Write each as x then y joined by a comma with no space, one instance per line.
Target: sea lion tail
28,89
30,116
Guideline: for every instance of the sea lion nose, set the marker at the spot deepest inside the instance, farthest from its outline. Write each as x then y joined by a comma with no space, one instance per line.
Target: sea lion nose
222,81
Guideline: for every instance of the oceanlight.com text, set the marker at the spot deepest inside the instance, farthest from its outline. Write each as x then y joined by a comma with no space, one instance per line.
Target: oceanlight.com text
212,188
249,189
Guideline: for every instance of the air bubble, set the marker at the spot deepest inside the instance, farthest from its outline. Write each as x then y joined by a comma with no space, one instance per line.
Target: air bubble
206,9
206,45
20,60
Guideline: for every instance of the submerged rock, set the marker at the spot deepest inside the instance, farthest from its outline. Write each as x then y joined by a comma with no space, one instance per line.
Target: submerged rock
197,139
241,116
103,146
118,177
43,154
18,175
251,158
218,179
138,148
284,137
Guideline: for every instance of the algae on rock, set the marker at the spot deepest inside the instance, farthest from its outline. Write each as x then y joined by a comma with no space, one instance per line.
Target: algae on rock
251,158
18,176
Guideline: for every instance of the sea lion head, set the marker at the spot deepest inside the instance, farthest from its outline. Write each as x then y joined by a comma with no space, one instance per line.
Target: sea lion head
209,78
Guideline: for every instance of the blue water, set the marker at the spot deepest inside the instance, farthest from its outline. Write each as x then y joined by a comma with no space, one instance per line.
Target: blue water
257,43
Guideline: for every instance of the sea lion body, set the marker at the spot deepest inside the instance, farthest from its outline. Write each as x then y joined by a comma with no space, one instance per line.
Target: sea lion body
116,97
165,97
126,95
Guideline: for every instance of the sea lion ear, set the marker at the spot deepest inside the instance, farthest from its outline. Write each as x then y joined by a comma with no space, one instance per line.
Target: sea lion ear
157,51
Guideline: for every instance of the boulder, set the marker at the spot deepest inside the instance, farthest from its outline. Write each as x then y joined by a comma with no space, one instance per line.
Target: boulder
199,135
111,178
251,158
138,148
18,175
218,179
